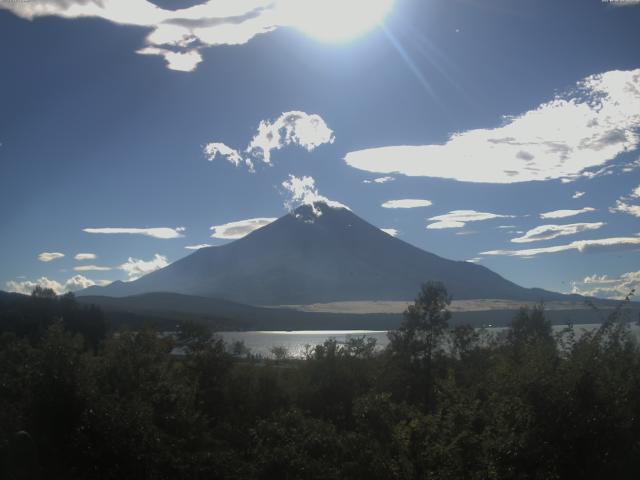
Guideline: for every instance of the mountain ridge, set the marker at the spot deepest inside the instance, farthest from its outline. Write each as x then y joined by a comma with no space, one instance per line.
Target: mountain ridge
319,254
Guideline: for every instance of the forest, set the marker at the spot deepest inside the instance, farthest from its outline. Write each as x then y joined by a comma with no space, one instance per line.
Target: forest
79,400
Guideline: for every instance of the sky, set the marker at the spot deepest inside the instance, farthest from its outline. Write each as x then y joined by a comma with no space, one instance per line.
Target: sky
502,132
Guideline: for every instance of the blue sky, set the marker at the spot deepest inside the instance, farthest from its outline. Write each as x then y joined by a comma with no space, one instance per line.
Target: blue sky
502,109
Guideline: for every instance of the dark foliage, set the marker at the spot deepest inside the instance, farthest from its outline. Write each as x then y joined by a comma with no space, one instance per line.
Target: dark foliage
439,403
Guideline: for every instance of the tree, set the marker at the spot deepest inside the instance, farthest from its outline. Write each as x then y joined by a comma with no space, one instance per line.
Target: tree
420,336
40,292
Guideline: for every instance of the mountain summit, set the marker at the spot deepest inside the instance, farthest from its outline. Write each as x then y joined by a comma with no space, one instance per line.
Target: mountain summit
318,254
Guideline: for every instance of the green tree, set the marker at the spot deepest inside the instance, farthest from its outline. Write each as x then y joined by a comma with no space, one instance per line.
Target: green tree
419,338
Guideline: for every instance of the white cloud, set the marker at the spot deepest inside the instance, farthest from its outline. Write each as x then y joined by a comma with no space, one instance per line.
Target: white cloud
563,138
198,247
631,166
50,256
180,35
291,128
239,229
459,218
303,191
297,128
27,286
548,232
77,282
162,233
178,61
475,260
391,231
380,180
623,205
598,279
566,213
582,246
137,268
91,268
578,195
213,150
608,287
85,256
407,203
176,35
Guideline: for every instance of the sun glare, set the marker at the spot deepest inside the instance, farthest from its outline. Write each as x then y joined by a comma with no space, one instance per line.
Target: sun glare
335,20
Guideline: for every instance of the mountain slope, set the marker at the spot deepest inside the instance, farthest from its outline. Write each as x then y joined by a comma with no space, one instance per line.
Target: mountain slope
319,254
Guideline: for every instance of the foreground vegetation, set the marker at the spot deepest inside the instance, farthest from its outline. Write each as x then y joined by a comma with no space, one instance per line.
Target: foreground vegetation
439,403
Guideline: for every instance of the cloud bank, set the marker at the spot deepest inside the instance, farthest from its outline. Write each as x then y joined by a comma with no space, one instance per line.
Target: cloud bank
603,286
562,139
73,284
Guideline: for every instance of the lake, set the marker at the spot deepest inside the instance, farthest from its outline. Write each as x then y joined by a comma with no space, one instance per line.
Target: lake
261,343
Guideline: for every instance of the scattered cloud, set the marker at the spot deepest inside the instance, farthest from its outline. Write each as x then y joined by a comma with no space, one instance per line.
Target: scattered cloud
566,213
180,35
578,195
91,268
179,61
603,286
239,229
631,166
136,268
459,218
623,205
308,131
475,260
85,256
75,283
562,139
297,128
213,150
380,180
391,231
407,203
548,232
176,35
303,191
582,246
198,247
598,279
50,256
162,233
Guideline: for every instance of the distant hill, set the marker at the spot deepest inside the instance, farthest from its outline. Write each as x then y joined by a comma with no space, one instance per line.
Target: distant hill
166,310
320,254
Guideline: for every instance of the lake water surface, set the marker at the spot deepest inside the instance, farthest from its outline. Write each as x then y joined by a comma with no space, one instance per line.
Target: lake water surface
261,343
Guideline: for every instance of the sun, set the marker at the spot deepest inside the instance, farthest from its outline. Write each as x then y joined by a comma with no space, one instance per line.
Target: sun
334,20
